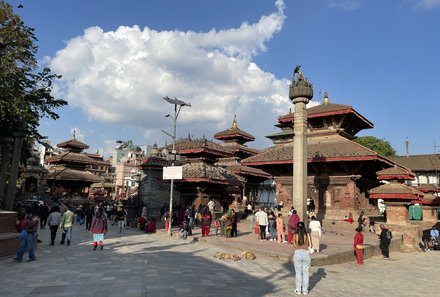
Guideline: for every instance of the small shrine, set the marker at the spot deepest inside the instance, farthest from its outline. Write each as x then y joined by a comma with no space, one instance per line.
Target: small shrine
398,199
396,195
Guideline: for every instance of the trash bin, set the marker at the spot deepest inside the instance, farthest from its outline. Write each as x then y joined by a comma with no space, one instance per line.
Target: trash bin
415,213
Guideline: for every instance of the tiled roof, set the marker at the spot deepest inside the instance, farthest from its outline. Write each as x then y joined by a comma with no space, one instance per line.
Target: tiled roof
234,133
246,170
395,190
319,148
73,143
327,110
429,199
426,188
239,147
71,174
419,162
71,157
395,172
194,172
205,146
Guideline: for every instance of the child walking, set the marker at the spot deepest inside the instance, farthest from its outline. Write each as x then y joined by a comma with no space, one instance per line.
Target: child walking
98,229
216,226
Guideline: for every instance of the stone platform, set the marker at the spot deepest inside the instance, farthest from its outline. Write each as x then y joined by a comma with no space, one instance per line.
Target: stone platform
9,241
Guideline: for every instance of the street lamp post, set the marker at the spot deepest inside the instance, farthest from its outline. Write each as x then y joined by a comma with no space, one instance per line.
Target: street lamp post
178,104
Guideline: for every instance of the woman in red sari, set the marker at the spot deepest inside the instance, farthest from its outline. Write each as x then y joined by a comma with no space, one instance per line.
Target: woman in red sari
358,246
206,224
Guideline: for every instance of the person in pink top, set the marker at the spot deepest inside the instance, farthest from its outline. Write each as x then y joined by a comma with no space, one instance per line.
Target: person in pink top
280,229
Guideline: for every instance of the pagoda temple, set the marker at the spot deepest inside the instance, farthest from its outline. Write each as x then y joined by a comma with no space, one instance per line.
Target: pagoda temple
68,174
234,140
340,171
210,171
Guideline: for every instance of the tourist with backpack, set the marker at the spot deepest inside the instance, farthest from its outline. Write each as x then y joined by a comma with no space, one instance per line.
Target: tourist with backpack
385,240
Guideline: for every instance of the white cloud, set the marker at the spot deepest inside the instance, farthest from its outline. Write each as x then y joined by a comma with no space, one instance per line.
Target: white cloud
347,5
428,4
121,76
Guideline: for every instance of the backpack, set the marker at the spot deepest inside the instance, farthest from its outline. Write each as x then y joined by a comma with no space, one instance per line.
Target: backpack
389,234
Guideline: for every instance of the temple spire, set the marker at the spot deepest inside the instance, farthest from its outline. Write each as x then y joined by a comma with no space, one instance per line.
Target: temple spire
234,123
74,134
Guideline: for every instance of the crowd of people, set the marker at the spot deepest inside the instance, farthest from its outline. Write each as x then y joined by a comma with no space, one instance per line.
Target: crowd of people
62,217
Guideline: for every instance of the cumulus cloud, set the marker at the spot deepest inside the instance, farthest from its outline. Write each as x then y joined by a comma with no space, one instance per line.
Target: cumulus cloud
347,5
121,76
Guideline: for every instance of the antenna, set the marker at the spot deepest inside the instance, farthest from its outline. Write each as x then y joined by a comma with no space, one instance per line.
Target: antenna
435,148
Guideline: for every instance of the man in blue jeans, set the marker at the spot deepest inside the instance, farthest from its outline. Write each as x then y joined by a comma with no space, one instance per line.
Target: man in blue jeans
27,243
66,225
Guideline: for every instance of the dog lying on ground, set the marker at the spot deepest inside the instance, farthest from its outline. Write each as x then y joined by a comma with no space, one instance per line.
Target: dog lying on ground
222,256
248,255
244,255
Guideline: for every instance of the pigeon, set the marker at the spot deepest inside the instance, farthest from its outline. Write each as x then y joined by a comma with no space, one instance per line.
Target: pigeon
20,6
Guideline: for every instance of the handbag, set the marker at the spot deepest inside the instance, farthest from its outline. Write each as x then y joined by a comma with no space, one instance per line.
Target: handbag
23,234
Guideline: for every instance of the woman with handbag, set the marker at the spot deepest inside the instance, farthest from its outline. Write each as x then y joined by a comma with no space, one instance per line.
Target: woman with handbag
358,246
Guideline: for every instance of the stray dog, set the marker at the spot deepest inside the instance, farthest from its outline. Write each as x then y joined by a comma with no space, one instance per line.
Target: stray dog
222,256
248,255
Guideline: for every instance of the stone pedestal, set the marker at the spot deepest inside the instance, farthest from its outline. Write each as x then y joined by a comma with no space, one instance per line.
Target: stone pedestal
397,214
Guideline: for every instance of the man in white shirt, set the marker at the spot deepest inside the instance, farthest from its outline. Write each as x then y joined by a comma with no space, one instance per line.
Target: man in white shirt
211,206
263,221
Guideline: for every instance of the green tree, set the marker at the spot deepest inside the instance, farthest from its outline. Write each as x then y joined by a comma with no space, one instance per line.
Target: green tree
25,88
381,146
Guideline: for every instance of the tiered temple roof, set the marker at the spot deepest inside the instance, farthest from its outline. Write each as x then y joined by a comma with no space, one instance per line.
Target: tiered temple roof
395,189
69,167
324,118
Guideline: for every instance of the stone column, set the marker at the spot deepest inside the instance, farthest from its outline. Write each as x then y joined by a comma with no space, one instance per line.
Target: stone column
300,93
300,157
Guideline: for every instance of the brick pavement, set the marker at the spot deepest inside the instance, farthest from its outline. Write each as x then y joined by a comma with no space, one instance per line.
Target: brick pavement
137,264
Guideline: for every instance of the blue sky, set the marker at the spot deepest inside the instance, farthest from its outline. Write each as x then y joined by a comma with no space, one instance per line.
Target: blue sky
118,58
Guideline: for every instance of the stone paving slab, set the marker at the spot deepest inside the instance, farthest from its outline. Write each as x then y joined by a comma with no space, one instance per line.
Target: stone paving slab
138,264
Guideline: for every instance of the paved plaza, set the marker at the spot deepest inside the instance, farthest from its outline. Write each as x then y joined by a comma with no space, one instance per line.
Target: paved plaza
138,264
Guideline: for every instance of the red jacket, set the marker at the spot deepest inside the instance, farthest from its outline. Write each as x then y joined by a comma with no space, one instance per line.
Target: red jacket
358,239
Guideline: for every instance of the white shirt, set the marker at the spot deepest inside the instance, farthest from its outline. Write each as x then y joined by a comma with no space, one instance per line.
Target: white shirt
211,205
262,218
315,226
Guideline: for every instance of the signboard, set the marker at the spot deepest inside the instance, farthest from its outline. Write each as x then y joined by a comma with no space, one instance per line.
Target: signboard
172,172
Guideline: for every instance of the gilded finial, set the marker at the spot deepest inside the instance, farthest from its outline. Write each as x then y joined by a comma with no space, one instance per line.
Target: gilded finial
234,123
326,98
